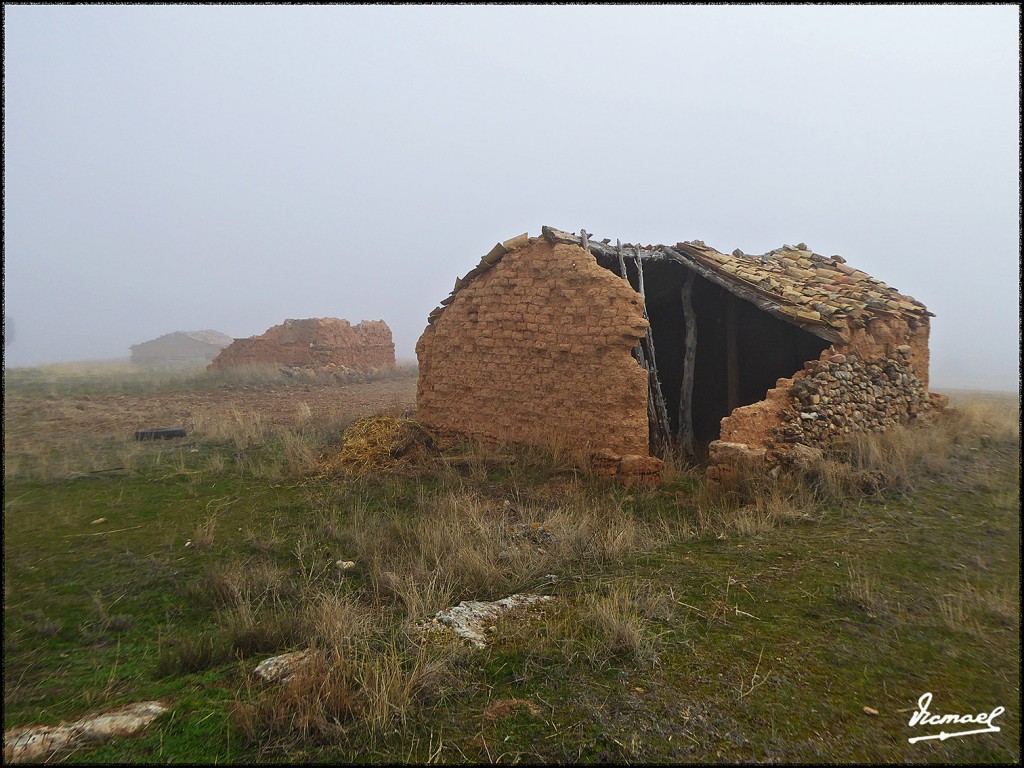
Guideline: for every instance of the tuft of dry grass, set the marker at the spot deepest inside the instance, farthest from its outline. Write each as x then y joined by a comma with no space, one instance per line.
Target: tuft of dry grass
190,653
903,455
301,455
240,430
373,688
774,506
462,545
972,608
225,584
618,628
358,672
204,533
863,589
992,417
339,620
415,593
263,626
396,678
609,625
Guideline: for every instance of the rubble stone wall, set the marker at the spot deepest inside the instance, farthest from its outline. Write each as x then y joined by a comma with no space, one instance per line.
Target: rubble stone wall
320,342
882,338
538,350
846,394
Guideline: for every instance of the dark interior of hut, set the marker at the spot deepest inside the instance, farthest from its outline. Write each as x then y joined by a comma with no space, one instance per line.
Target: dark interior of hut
740,351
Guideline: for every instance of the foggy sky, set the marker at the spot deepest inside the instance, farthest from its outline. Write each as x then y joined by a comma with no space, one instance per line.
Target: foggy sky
191,167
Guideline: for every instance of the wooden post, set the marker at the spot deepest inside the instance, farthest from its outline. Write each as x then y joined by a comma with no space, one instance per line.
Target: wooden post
657,412
664,429
731,351
622,261
638,350
685,435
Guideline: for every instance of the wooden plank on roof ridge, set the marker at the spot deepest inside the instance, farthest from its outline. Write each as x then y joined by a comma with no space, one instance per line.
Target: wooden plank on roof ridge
599,249
552,234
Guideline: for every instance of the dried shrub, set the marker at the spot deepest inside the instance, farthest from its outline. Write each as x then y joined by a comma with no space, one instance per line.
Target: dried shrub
461,545
374,686
614,624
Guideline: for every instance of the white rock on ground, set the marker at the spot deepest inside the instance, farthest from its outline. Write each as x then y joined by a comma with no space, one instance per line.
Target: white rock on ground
280,668
468,618
36,741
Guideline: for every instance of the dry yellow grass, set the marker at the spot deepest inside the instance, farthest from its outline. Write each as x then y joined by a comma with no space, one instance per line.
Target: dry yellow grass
967,606
902,458
76,431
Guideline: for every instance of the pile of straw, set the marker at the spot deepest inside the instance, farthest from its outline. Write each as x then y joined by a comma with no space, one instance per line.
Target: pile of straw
380,443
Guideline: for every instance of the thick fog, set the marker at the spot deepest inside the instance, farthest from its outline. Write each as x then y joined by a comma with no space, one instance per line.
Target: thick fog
192,167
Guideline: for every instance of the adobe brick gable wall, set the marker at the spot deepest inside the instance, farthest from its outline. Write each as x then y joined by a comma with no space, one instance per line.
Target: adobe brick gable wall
538,350
317,342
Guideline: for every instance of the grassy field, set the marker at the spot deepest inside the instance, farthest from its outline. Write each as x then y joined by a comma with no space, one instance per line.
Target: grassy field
124,377
686,626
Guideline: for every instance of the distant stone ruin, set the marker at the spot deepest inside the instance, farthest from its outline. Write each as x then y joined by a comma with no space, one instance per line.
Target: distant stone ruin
313,345
181,348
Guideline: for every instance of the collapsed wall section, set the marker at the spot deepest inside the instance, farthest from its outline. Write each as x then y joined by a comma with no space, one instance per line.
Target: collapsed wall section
876,381
538,350
320,342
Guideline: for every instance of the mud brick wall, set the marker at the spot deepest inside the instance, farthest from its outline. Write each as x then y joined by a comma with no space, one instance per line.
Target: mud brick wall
376,348
538,350
320,342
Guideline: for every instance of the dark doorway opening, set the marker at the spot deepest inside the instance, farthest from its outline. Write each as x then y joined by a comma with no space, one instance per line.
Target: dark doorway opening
763,348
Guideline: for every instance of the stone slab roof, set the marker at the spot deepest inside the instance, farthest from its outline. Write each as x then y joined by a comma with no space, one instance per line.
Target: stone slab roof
211,337
793,283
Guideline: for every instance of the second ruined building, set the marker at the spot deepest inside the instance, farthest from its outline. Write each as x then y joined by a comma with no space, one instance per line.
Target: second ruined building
317,343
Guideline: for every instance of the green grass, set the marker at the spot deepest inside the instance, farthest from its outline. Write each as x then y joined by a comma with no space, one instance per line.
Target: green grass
678,634
124,377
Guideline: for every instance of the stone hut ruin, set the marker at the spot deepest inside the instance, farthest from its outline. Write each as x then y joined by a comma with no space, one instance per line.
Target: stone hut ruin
180,349
315,344
628,351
